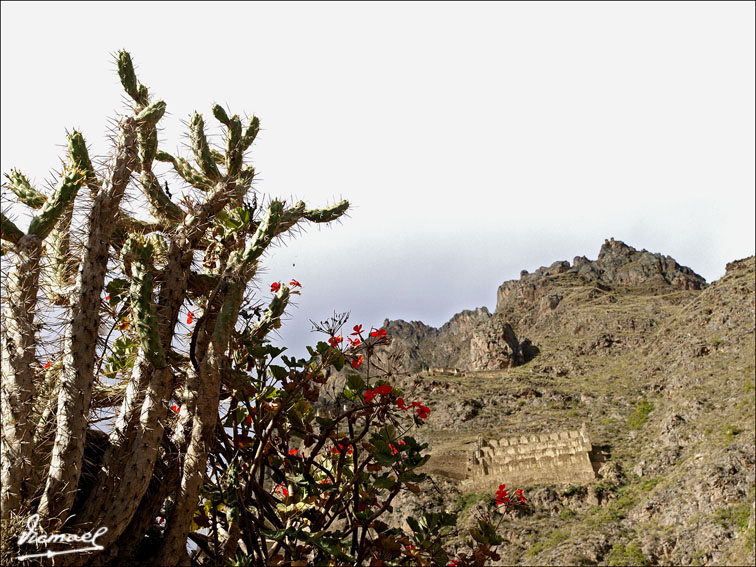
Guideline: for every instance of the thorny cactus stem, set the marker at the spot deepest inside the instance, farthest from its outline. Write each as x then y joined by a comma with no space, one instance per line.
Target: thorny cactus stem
27,194
18,372
43,223
142,306
9,231
201,148
81,336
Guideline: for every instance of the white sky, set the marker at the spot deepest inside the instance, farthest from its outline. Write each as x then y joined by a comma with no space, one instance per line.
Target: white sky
473,140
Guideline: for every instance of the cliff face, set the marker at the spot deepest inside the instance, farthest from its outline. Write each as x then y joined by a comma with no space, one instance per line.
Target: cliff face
471,340
479,340
657,364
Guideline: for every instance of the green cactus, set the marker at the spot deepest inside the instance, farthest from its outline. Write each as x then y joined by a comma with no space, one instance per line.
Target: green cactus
43,223
201,149
77,149
138,254
24,191
9,230
271,319
234,150
220,115
328,214
59,260
160,205
129,81
150,116
250,133
186,171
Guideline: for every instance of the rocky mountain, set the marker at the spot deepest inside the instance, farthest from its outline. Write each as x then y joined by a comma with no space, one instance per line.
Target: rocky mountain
654,365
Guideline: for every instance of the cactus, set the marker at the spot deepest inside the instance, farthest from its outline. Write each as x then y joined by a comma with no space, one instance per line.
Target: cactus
145,267
24,191
201,149
43,223
142,307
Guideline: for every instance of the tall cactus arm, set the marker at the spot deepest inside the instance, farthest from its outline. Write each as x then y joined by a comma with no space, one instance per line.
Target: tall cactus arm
133,88
142,306
206,392
201,148
61,265
147,121
161,207
77,148
328,214
245,260
234,149
81,335
250,132
43,223
271,319
18,366
186,171
8,230
27,194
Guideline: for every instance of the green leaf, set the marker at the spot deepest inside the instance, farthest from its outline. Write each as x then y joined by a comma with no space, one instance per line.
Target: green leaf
384,481
355,382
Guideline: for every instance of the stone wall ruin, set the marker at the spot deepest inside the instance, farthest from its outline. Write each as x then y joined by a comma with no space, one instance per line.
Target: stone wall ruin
549,458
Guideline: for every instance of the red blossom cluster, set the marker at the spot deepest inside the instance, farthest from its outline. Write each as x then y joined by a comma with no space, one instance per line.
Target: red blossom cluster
383,390
394,450
357,362
334,341
422,411
189,317
295,283
378,333
503,498
339,448
175,408
275,286
281,489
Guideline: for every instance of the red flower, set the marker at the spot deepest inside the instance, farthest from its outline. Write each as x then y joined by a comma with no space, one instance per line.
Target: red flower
293,451
378,333
384,390
357,329
423,412
249,419
400,403
453,563
401,442
107,298
353,342
369,395
340,448
394,450
334,341
357,362
275,286
281,489
520,496
189,317
175,408
47,364
295,283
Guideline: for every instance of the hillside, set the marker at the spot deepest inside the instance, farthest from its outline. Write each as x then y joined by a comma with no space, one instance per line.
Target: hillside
656,365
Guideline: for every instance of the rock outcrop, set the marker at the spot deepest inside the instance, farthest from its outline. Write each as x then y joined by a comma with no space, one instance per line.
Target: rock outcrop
471,340
617,264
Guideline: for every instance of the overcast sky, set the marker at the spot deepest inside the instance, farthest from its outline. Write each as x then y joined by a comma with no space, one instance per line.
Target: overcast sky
473,140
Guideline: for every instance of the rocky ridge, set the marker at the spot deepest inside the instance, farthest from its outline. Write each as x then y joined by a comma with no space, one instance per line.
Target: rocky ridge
658,364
